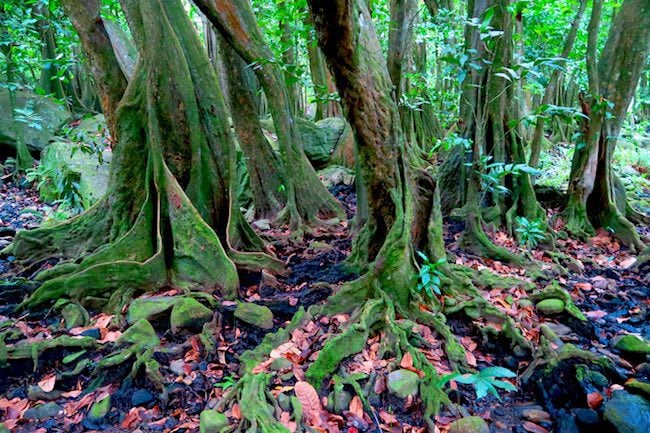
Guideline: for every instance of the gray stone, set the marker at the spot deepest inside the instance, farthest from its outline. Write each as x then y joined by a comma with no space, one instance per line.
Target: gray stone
280,363
403,383
472,424
48,114
212,421
190,314
628,413
550,306
586,417
142,397
559,328
341,401
256,315
43,411
284,401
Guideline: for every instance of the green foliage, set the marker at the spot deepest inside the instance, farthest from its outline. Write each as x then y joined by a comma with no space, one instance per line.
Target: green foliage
227,382
29,117
430,275
59,185
530,232
493,174
486,381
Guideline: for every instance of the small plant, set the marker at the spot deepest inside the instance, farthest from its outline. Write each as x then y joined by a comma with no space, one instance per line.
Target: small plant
430,276
486,381
58,185
29,117
226,382
530,232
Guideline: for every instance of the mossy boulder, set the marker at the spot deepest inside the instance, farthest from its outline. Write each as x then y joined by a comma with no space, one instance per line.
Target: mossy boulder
49,114
256,315
471,424
403,383
632,344
628,413
90,172
550,306
140,333
189,314
100,409
149,308
74,315
212,421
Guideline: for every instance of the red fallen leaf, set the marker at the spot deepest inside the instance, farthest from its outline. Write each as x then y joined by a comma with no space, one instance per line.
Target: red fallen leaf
356,407
47,384
388,418
471,359
131,419
235,411
583,286
380,385
594,400
407,360
533,428
596,314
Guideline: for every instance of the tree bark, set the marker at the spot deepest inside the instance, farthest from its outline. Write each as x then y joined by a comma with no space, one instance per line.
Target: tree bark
308,201
105,68
170,217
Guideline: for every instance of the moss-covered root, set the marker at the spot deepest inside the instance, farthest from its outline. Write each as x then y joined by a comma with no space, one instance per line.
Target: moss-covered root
576,221
475,240
255,404
554,291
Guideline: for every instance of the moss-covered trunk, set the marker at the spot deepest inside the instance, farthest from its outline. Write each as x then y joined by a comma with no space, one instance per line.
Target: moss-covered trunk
170,217
308,201
612,82
265,170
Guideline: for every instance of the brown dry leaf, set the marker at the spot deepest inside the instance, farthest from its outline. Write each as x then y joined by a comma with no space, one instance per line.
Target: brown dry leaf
310,401
47,384
583,286
235,411
407,361
388,418
380,385
594,400
131,419
627,262
356,407
285,419
110,337
533,428
471,359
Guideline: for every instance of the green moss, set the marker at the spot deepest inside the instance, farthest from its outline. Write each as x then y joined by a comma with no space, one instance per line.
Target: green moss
256,315
140,334
212,421
550,306
633,344
190,314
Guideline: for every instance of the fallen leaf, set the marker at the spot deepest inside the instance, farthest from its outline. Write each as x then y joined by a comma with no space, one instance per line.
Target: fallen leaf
47,384
356,407
594,400
533,428
310,401
407,360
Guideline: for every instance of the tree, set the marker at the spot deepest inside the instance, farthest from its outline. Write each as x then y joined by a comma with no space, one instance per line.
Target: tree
170,216
307,199
613,79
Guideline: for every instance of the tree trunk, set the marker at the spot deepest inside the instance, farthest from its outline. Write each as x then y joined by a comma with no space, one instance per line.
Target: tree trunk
612,80
308,201
170,217
323,84
104,65
265,169
49,80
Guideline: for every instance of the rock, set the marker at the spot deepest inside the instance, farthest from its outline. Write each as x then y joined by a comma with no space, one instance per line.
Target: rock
92,333
74,315
212,421
628,413
551,306
4,429
333,175
472,424
140,333
148,308
638,387
256,315
341,401
142,397
535,415
631,344
177,367
262,224
567,424
91,173
35,393
559,328
598,379
586,417
51,116
403,383
280,363
524,303
100,409
284,401
268,280
188,313
43,411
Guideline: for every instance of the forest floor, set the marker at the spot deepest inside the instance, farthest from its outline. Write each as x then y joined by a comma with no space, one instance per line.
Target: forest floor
39,395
